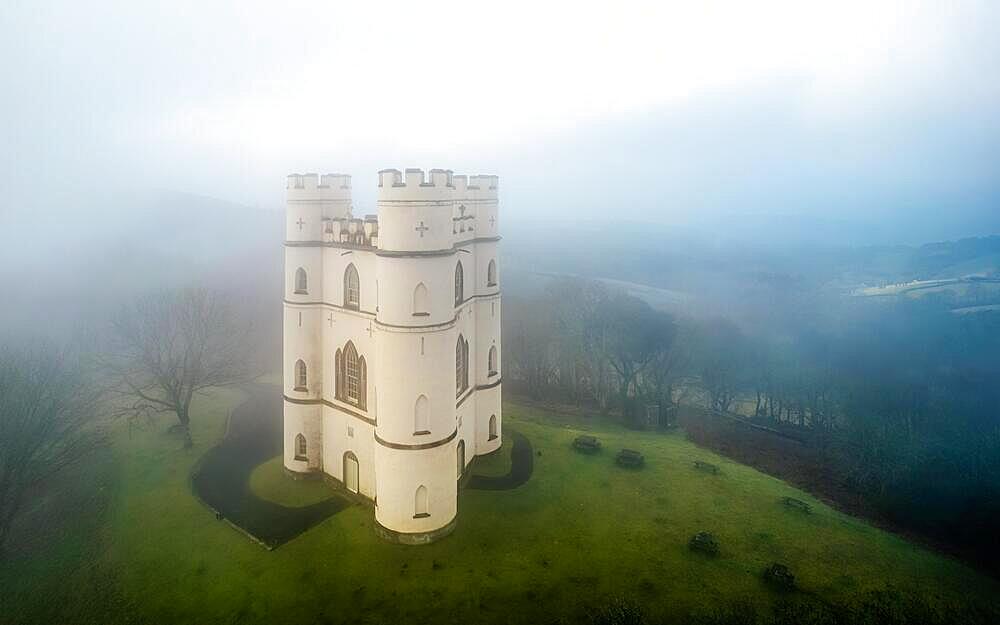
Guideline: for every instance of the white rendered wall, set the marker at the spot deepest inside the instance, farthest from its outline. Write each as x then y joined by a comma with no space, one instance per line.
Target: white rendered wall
305,420
343,434
398,278
427,224
401,472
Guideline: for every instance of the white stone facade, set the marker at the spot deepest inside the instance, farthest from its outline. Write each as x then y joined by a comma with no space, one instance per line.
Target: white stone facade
392,340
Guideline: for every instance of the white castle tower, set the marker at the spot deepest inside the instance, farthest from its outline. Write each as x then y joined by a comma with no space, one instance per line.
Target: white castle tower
392,341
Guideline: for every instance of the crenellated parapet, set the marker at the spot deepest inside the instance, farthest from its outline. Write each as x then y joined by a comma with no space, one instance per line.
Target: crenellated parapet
435,210
314,186
313,198
359,232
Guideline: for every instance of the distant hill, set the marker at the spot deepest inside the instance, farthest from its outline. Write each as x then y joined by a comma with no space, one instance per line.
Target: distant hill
692,261
957,259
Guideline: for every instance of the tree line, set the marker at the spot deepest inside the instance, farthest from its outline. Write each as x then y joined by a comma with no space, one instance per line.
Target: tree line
901,398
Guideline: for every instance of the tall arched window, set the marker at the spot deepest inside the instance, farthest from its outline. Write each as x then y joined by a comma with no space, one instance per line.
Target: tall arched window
493,427
461,365
300,375
352,373
338,369
459,284
420,300
491,273
300,447
301,283
352,287
421,416
352,377
491,362
420,503
460,458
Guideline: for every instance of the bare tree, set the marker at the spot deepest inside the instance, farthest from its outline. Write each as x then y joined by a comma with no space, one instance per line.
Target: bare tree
530,345
175,344
47,408
667,368
724,365
631,335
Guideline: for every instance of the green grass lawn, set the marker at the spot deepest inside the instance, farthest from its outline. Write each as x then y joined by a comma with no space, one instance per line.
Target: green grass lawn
270,482
579,532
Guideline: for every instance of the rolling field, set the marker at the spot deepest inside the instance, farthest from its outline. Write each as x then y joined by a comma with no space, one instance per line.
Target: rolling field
580,532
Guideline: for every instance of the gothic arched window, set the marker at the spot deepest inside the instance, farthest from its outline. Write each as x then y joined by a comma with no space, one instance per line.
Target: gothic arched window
420,300
352,287
300,375
461,365
491,273
491,362
352,373
421,416
300,447
459,284
338,369
420,503
493,427
301,282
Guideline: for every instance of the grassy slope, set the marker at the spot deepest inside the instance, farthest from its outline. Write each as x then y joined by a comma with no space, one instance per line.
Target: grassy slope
581,530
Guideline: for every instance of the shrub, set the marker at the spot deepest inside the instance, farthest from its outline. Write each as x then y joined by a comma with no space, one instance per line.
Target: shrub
796,504
703,542
707,467
779,576
586,444
630,459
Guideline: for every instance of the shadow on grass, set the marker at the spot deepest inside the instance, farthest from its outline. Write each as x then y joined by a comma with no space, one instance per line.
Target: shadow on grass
222,478
522,464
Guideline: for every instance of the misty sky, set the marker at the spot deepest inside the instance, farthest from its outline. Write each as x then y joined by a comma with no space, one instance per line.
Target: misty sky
880,113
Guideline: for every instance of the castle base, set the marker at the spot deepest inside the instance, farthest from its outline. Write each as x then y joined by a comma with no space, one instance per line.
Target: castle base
312,474
415,538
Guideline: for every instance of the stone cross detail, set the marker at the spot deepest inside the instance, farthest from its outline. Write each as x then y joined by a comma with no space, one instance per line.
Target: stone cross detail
422,229
493,222
330,319
301,223
370,329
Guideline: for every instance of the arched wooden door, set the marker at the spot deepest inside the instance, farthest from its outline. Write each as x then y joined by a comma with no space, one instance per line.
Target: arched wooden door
351,478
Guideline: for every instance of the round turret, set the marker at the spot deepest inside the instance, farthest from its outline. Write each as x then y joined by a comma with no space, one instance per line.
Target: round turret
311,199
415,213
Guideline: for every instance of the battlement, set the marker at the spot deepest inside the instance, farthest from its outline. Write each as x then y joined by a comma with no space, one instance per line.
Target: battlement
484,182
413,178
437,184
481,185
359,232
315,181
311,186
